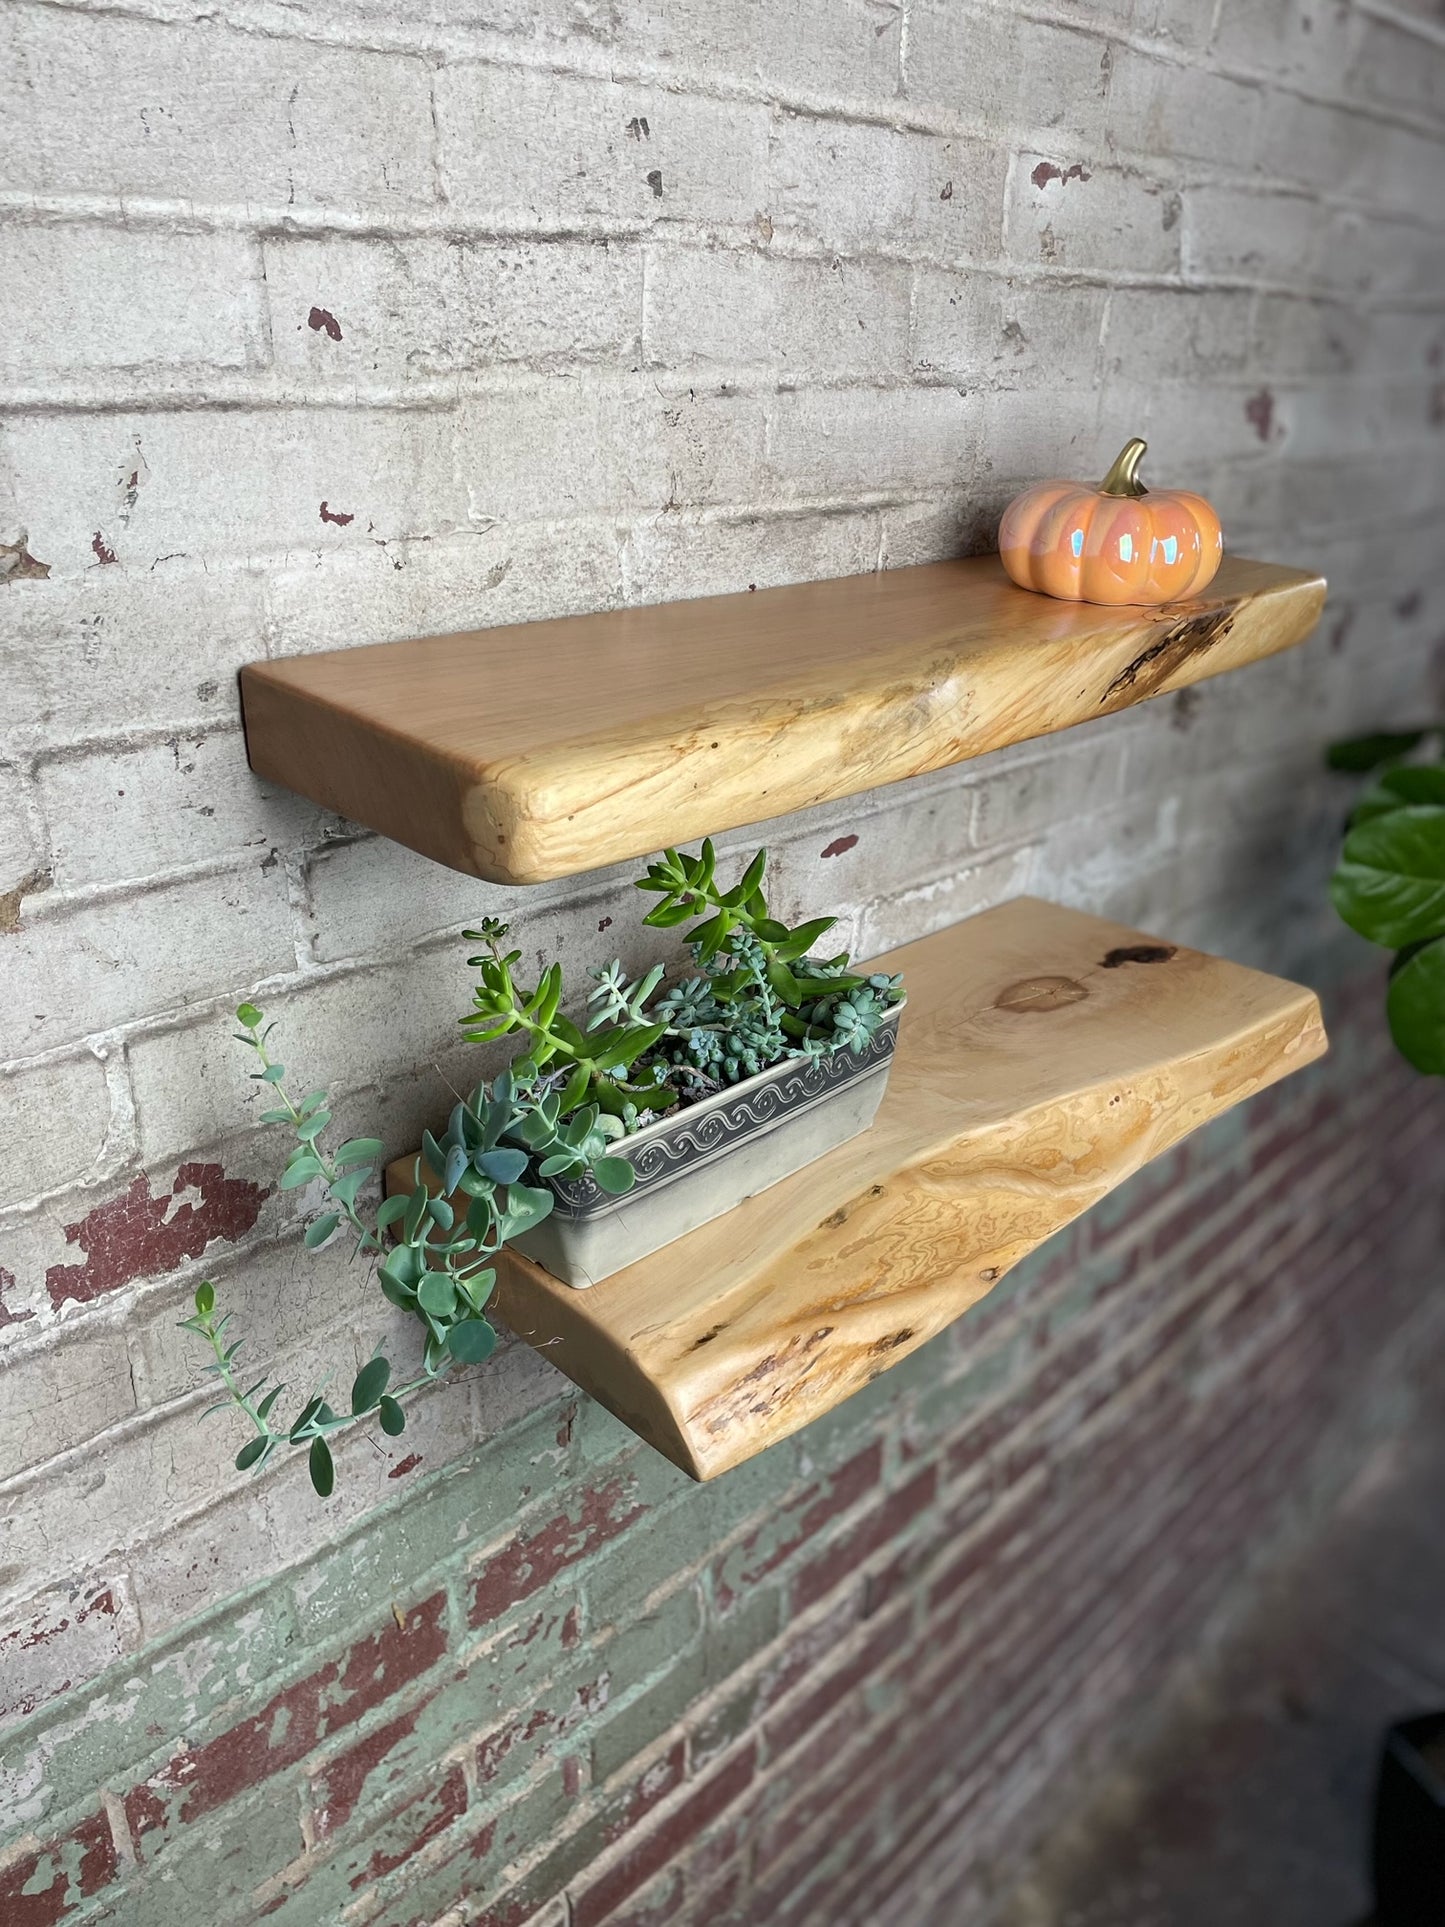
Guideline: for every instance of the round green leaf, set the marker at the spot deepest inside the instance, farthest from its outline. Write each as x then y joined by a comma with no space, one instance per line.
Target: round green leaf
205,1298
393,1418
1416,1008
615,1175
249,1015
437,1294
369,1384
323,1471
471,1341
249,1453
1390,883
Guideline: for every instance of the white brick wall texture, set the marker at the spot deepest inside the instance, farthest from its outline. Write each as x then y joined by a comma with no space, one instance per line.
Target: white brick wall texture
339,321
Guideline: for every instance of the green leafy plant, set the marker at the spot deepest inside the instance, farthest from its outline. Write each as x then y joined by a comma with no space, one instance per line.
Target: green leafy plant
558,1110
1389,883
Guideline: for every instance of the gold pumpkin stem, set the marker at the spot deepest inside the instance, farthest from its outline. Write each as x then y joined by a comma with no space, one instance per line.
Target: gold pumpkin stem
1123,478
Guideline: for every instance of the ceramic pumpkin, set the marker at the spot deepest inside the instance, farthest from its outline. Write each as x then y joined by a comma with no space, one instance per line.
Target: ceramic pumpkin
1116,543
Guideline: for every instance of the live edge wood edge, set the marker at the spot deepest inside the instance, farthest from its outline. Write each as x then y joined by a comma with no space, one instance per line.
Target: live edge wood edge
1045,1056
543,749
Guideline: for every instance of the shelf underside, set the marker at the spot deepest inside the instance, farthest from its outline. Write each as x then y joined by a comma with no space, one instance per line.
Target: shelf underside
543,749
1044,1056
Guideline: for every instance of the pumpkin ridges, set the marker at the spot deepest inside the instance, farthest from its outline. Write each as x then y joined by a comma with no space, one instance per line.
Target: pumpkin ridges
1037,543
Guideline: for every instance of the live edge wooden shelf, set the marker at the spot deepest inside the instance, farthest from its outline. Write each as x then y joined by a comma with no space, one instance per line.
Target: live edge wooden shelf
536,751
1044,1056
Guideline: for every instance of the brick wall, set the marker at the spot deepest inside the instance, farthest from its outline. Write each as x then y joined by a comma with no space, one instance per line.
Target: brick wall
329,321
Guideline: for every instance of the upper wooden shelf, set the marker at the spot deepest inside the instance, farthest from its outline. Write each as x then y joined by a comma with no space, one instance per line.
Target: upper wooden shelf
546,748
1044,1055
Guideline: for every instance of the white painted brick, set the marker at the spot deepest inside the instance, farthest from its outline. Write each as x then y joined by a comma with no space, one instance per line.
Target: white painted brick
54,1397
53,1125
1020,794
995,73
229,483
508,572
725,555
801,319
1164,332
1187,425
1363,253
375,1028
1097,218
844,48
429,307
872,440
959,521
1397,68
93,103
574,446
75,967
861,189
64,1633
1012,333
1253,236
118,815
1306,41
109,651
22,847
1294,336
1162,111
1039,432
1309,144
529,150
81,298
890,921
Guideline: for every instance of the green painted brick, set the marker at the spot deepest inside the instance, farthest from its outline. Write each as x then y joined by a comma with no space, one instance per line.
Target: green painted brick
109,1732
437,1523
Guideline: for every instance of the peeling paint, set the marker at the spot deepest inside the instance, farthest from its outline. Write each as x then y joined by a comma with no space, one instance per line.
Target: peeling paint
841,844
329,514
30,885
101,549
17,564
323,322
1046,172
138,1235
8,1317
1259,412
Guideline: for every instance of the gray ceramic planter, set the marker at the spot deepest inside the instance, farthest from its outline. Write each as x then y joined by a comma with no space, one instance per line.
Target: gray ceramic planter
694,1167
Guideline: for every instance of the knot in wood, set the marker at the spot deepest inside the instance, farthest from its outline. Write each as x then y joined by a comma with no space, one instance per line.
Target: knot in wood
1040,993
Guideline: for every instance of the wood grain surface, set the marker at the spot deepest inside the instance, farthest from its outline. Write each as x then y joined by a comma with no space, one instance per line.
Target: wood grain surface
1044,1056
535,751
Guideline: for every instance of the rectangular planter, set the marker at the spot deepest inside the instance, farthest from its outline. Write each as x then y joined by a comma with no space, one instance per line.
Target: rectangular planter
693,1167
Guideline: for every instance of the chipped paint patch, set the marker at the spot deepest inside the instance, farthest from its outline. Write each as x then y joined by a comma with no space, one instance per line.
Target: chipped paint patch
11,900
8,1317
17,564
841,845
138,1235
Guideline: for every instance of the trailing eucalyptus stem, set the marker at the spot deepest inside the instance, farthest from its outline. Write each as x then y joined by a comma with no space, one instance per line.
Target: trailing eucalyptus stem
560,1110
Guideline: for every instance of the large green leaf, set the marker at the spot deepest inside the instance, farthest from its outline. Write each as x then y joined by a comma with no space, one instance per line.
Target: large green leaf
1390,883
1362,753
471,1341
1416,1008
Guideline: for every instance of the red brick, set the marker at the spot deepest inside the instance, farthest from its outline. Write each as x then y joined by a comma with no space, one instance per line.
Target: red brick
744,1565
535,1559
197,1780
72,1868
422,1818
789,1723
140,1236
887,1520
337,1785
597,1894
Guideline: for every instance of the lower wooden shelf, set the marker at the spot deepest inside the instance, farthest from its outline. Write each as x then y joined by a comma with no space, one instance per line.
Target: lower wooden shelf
1044,1056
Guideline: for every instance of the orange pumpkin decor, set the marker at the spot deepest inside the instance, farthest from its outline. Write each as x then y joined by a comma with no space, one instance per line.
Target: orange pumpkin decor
1116,543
